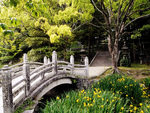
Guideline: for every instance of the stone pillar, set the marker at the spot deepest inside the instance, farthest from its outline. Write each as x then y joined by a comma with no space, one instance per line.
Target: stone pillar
7,90
72,63
26,74
54,60
45,60
86,61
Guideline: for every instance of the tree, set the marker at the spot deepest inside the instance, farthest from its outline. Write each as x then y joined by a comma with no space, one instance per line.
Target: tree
118,15
57,19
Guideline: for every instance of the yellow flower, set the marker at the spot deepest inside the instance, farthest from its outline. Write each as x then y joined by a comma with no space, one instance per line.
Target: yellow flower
142,111
102,98
77,100
57,98
98,96
84,104
131,105
126,95
125,86
82,91
112,100
135,108
93,101
131,110
122,108
102,106
107,100
131,97
67,96
140,104
148,107
131,84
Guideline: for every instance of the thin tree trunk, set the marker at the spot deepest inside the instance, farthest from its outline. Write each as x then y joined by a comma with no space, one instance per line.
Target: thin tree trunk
113,49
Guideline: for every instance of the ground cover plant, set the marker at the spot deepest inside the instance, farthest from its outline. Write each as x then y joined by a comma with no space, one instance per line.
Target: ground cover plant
136,70
89,101
112,94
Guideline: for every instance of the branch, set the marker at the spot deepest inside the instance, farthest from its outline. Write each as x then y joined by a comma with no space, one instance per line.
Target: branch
80,26
97,7
130,5
138,11
126,33
98,27
145,16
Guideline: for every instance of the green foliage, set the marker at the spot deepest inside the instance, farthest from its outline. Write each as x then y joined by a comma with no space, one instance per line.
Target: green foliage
138,33
38,54
6,59
25,106
147,82
126,86
92,100
125,62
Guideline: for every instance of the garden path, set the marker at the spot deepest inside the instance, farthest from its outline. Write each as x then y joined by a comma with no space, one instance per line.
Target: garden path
100,64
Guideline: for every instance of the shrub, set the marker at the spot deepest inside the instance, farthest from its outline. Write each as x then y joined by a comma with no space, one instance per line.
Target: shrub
125,62
89,101
147,82
128,87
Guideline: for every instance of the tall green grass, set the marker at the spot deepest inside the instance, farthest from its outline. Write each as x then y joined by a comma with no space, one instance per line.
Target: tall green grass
126,86
147,82
89,101
112,94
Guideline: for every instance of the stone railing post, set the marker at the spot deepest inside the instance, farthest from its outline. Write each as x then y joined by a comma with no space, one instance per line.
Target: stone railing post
7,90
54,60
72,63
48,61
45,60
26,74
86,60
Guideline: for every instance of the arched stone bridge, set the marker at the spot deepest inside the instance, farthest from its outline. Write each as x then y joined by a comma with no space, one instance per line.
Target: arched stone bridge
34,79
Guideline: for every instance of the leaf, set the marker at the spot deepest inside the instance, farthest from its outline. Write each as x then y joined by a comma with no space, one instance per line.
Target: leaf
3,26
14,3
8,32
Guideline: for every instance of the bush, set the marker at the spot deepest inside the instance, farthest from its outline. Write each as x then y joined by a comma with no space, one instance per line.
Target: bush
125,62
89,101
147,82
126,86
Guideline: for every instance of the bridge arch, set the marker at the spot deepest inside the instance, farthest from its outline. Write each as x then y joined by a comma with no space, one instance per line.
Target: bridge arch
51,86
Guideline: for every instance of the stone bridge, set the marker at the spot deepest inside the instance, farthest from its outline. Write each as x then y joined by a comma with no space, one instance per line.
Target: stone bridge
34,79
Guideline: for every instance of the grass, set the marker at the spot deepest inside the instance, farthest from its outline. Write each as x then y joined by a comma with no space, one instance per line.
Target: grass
1,65
27,105
112,94
136,67
87,101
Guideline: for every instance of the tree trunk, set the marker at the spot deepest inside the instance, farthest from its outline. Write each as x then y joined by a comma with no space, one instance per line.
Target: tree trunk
113,49
114,58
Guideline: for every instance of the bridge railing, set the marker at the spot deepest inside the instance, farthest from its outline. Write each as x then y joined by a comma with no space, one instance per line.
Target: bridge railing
20,80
